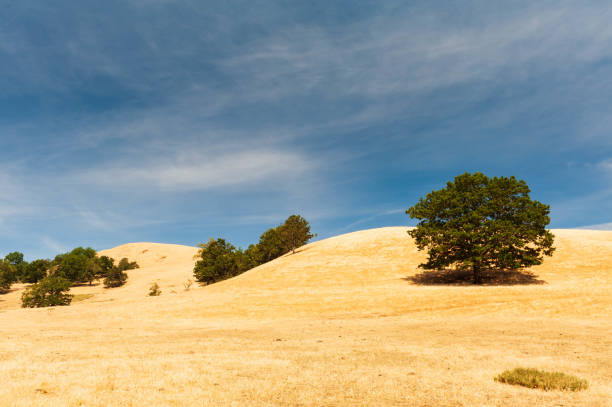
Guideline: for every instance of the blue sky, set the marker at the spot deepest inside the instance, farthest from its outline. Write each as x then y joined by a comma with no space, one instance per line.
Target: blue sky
176,121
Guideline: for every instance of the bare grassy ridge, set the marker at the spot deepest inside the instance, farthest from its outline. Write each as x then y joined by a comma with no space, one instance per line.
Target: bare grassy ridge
339,323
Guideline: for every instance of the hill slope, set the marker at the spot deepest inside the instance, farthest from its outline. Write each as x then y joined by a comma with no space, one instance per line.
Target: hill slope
344,321
368,272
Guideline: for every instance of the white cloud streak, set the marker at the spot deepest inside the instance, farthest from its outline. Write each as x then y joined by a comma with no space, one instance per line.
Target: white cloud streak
601,226
606,166
203,171
53,245
371,218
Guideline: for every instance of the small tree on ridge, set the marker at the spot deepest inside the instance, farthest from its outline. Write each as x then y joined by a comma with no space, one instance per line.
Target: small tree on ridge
295,232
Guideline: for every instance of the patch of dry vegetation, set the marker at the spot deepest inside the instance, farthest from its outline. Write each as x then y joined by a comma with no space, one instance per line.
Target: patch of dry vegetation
81,297
337,323
537,379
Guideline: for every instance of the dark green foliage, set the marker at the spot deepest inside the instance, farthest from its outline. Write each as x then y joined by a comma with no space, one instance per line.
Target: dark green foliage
75,268
125,264
7,276
35,271
79,265
15,259
218,261
48,292
104,265
285,238
249,258
270,246
116,276
537,379
87,252
245,259
295,232
478,223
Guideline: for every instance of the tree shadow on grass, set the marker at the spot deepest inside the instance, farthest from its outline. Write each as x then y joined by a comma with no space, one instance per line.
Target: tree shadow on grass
465,277
86,284
298,250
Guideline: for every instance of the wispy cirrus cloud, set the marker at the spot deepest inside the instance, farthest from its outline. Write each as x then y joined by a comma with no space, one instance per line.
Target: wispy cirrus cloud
391,55
203,171
606,166
601,226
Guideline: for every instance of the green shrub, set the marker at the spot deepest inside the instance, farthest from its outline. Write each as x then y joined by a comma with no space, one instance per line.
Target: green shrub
154,290
537,379
218,261
7,276
48,292
125,264
115,277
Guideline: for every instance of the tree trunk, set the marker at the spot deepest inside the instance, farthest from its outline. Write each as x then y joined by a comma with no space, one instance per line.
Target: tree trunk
476,272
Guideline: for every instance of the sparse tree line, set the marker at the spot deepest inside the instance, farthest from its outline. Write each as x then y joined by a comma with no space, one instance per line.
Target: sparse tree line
220,260
51,279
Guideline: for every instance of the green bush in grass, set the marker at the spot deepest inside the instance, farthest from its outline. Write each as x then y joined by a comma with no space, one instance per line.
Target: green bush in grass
537,379
7,276
154,290
115,277
48,292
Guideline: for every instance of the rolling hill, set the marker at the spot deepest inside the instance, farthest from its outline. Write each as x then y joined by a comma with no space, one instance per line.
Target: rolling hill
348,320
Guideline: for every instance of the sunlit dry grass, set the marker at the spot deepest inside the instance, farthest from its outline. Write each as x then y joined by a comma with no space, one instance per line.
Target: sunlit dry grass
338,323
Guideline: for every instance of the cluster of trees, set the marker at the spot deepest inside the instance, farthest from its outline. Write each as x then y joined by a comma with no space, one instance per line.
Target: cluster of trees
220,260
51,279
14,269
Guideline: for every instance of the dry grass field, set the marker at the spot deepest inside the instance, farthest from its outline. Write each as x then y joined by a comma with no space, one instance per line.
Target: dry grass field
346,321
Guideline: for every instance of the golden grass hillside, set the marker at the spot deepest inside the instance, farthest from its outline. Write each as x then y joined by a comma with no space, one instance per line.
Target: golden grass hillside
344,321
